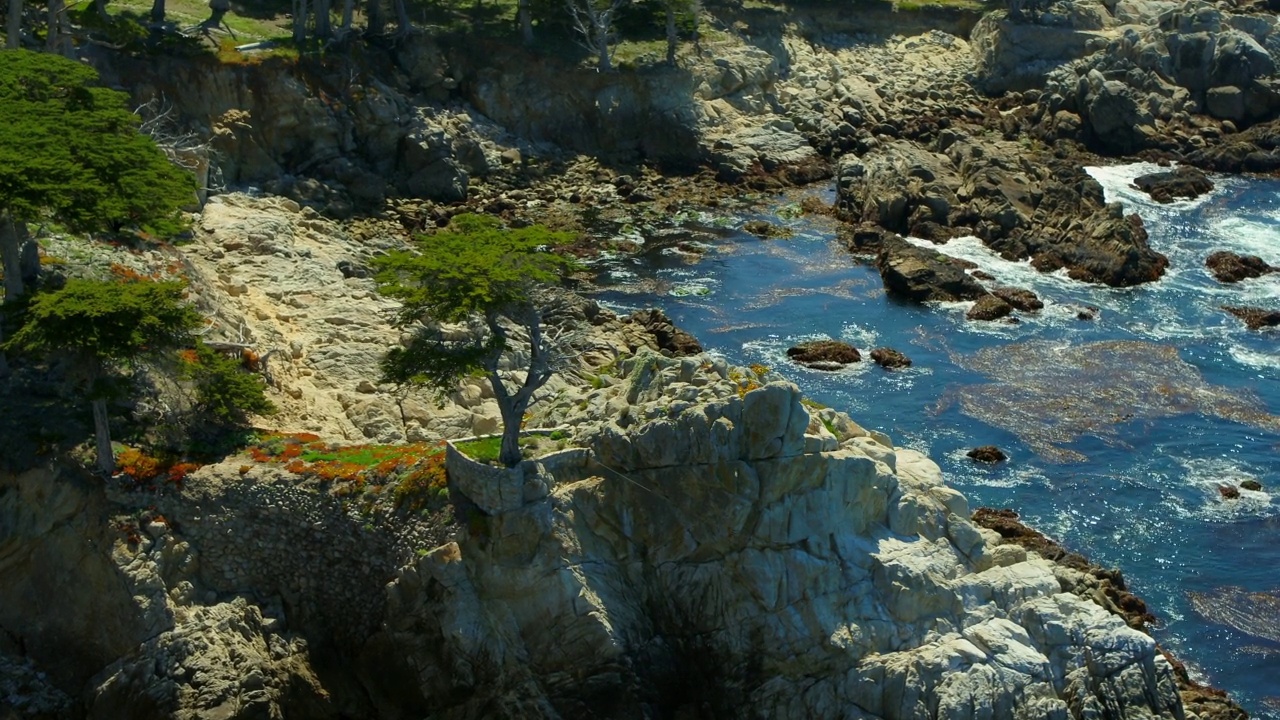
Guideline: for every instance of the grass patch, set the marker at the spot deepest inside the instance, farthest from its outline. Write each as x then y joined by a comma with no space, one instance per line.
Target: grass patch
926,5
484,450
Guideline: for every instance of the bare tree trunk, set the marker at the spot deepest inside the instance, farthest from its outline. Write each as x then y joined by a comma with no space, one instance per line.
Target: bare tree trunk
375,20
157,11
525,14
218,9
672,39
102,437
53,39
402,17
605,63
299,22
348,15
11,254
323,27
101,7
13,30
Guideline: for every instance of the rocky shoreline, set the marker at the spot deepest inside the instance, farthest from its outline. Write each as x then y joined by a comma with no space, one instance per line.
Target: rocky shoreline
725,546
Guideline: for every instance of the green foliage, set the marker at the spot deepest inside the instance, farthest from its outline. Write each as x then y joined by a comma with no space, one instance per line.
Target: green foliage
474,267
106,322
225,391
71,151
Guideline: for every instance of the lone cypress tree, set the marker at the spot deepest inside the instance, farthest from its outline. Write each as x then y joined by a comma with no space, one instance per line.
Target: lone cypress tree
475,269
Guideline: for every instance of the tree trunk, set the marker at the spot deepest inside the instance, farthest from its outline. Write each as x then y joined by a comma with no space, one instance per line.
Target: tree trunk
402,17
672,39
299,22
323,27
374,18
526,21
11,255
348,15
102,437
55,22
605,63
101,7
157,11
218,10
13,30
512,418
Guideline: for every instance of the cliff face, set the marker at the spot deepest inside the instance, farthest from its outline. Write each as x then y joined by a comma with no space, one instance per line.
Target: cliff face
726,555
713,548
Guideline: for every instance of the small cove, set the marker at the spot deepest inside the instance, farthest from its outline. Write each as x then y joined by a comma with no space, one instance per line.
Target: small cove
1119,429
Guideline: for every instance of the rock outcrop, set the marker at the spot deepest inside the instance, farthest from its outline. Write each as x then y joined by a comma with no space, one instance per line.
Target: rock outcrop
1053,213
1255,318
1183,181
915,273
890,359
1229,267
824,354
730,553
1155,72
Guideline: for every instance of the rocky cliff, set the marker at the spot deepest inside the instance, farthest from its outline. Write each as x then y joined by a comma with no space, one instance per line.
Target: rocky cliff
720,549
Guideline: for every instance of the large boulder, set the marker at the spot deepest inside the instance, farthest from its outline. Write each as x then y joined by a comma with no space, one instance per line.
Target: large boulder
915,273
1229,267
1013,55
1183,181
824,354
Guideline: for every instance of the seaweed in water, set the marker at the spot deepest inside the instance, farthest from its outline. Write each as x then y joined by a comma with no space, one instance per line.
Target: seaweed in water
1051,394
1255,613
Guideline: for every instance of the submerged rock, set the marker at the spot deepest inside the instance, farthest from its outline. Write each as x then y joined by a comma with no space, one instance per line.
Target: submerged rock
1229,492
824,354
1251,485
1229,267
890,359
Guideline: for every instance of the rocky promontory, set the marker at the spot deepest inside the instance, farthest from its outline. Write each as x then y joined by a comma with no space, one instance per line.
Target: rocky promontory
714,546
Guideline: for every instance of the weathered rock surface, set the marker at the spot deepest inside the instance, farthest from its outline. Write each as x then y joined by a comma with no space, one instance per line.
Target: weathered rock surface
1183,181
914,606
669,339
1053,213
824,354
217,661
1019,298
1153,69
1255,318
989,307
1229,267
890,359
987,454
923,275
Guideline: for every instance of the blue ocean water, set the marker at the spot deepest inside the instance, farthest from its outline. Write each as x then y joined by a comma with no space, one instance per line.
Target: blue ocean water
1120,429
